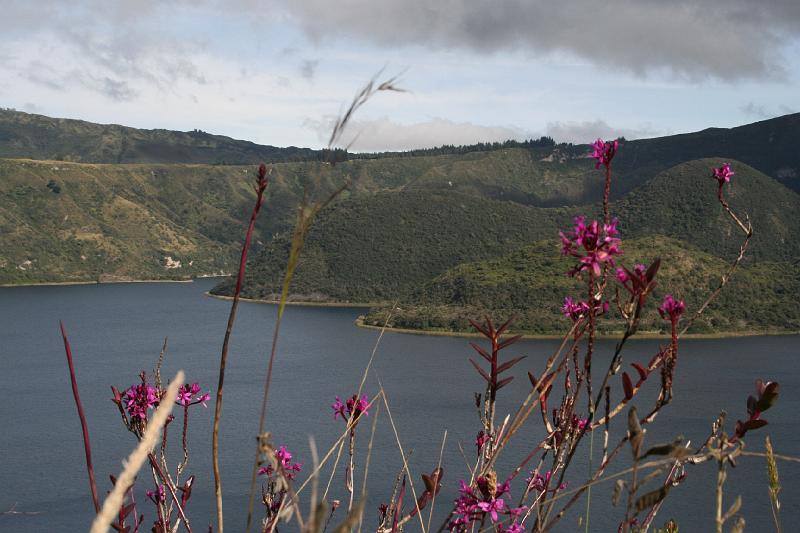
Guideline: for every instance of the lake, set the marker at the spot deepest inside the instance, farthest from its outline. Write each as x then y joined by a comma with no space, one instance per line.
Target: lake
116,330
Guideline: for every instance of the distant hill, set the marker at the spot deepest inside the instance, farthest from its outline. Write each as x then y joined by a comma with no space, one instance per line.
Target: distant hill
25,135
380,247
535,172
530,284
155,204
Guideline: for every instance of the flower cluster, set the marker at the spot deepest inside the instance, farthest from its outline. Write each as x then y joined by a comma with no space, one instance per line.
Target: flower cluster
723,174
187,393
157,496
671,309
139,398
591,244
353,408
284,456
578,310
473,505
629,278
604,151
540,483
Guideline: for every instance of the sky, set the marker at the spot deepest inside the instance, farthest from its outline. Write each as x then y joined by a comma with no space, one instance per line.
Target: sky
279,72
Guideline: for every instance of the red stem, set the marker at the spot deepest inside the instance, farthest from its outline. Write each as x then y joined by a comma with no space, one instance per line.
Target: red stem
261,186
87,446
607,193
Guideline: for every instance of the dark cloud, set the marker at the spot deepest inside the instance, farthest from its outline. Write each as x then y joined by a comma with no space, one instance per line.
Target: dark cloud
308,68
693,39
115,89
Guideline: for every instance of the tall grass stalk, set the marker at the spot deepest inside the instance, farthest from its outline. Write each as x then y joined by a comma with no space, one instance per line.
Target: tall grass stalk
260,187
87,445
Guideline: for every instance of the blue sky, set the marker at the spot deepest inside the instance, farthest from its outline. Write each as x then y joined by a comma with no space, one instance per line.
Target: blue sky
279,72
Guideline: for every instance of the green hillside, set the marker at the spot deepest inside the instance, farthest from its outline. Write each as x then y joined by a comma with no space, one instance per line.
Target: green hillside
371,248
681,202
25,135
530,284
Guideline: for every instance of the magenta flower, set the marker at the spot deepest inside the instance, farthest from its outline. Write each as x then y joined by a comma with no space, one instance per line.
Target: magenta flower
491,507
723,174
157,496
283,456
139,398
358,406
186,395
338,409
671,309
352,409
579,422
604,151
592,245
539,483
578,310
514,528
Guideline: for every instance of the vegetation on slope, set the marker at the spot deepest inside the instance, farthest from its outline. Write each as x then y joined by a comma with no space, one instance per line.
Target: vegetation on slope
25,135
381,247
530,282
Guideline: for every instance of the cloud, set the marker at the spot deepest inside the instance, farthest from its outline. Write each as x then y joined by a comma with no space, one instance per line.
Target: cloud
308,68
763,112
751,109
693,39
587,131
383,134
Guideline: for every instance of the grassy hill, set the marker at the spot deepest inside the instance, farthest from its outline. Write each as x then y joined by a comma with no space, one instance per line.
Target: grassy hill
371,248
383,246
25,135
70,222
530,284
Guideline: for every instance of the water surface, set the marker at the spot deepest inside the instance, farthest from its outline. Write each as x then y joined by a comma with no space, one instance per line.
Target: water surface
117,330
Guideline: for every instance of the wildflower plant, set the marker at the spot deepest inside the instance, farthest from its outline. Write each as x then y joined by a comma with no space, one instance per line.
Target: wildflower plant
565,396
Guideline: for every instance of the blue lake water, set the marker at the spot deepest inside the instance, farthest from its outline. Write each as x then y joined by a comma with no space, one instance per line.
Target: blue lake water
117,330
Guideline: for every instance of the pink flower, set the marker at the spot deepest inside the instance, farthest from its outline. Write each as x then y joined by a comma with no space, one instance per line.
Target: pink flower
358,406
539,483
671,309
158,495
284,457
592,245
338,409
604,151
186,395
491,507
578,310
352,409
723,174
139,398
514,528
579,422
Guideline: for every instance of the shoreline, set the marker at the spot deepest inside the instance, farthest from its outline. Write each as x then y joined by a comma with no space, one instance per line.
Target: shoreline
297,303
359,322
104,282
